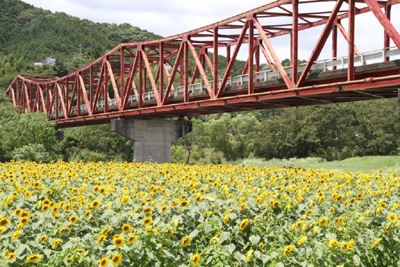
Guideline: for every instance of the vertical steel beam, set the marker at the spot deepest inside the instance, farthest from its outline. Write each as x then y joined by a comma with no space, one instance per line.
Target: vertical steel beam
56,96
66,93
141,83
215,60
91,84
18,92
294,48
181,69
257,57
388,12
186,69
334,43
144,75
105,84
161,67
228,58
30,96
122,69
351,16
79,91
47,99
251,57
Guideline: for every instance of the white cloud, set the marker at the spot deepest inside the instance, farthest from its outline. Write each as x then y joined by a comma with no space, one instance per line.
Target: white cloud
170,17
165,18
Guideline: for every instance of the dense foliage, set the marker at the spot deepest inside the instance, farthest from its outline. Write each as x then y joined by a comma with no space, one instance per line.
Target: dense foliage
34,33
129,214
29,34
335,131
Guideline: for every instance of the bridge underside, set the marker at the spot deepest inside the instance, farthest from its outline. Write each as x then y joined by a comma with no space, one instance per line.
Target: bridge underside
374,81
199,71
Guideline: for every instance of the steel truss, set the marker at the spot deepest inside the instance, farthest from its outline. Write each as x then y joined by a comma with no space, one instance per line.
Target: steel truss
154,79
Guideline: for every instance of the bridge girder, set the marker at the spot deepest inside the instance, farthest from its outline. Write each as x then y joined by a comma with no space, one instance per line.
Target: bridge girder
160,78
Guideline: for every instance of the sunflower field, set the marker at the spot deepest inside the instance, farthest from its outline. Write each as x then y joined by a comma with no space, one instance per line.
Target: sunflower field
133,214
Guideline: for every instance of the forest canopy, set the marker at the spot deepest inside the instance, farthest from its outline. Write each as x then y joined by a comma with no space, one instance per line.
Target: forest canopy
29,34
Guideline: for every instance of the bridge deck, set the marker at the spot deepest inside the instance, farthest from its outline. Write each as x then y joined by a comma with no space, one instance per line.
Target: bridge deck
319,88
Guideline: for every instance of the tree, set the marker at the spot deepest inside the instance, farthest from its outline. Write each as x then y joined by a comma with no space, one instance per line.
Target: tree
285,135
98,139
197,137
27,129
234,137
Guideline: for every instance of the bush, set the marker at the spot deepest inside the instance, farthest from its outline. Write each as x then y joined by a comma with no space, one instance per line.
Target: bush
33,152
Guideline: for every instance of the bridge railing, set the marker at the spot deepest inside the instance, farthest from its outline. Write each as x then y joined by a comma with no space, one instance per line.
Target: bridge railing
200,88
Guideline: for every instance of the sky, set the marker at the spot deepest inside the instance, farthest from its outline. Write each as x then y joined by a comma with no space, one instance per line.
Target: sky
176,16
170,17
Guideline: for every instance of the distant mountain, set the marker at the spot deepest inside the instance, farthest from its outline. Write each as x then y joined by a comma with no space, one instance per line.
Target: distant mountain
35,34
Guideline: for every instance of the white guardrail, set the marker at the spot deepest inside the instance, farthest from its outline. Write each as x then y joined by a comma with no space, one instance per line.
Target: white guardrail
264,75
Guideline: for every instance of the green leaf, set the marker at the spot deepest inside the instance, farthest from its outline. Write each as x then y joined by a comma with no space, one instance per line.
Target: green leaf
279,264
357,260
240,256
254,239
194,233
231,247
20,249
224,237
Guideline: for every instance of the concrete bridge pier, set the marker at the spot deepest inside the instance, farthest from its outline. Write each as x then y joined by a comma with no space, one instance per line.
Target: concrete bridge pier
152,138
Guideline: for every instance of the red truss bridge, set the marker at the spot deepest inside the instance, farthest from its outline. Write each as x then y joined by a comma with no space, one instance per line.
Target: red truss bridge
182,75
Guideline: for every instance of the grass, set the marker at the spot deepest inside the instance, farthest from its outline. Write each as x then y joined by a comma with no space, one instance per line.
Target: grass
356,164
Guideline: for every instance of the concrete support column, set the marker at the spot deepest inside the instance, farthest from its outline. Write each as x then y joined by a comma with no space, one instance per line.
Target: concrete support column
152,138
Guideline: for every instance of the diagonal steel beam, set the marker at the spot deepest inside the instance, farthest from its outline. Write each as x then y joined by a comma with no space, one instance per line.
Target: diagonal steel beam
232,61
113,84
85,95
320,43
174,69
383,19
267,43
151,78
201,70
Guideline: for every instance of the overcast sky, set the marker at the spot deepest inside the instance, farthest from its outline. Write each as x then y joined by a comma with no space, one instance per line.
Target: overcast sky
170,17
163,17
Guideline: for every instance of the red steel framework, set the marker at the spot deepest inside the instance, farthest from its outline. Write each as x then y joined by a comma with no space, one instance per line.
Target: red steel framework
140,80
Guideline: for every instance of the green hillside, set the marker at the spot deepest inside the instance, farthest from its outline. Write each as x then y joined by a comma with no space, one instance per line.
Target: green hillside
29,34
34,33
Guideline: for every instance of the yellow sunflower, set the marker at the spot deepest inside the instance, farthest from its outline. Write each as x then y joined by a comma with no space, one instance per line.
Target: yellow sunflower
103,262
33,258
126,228
132,239
147,211
56,243
119,241
116,259
186,241
287,249
196,259
101,239
243,224
148,220
43,238
323,221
